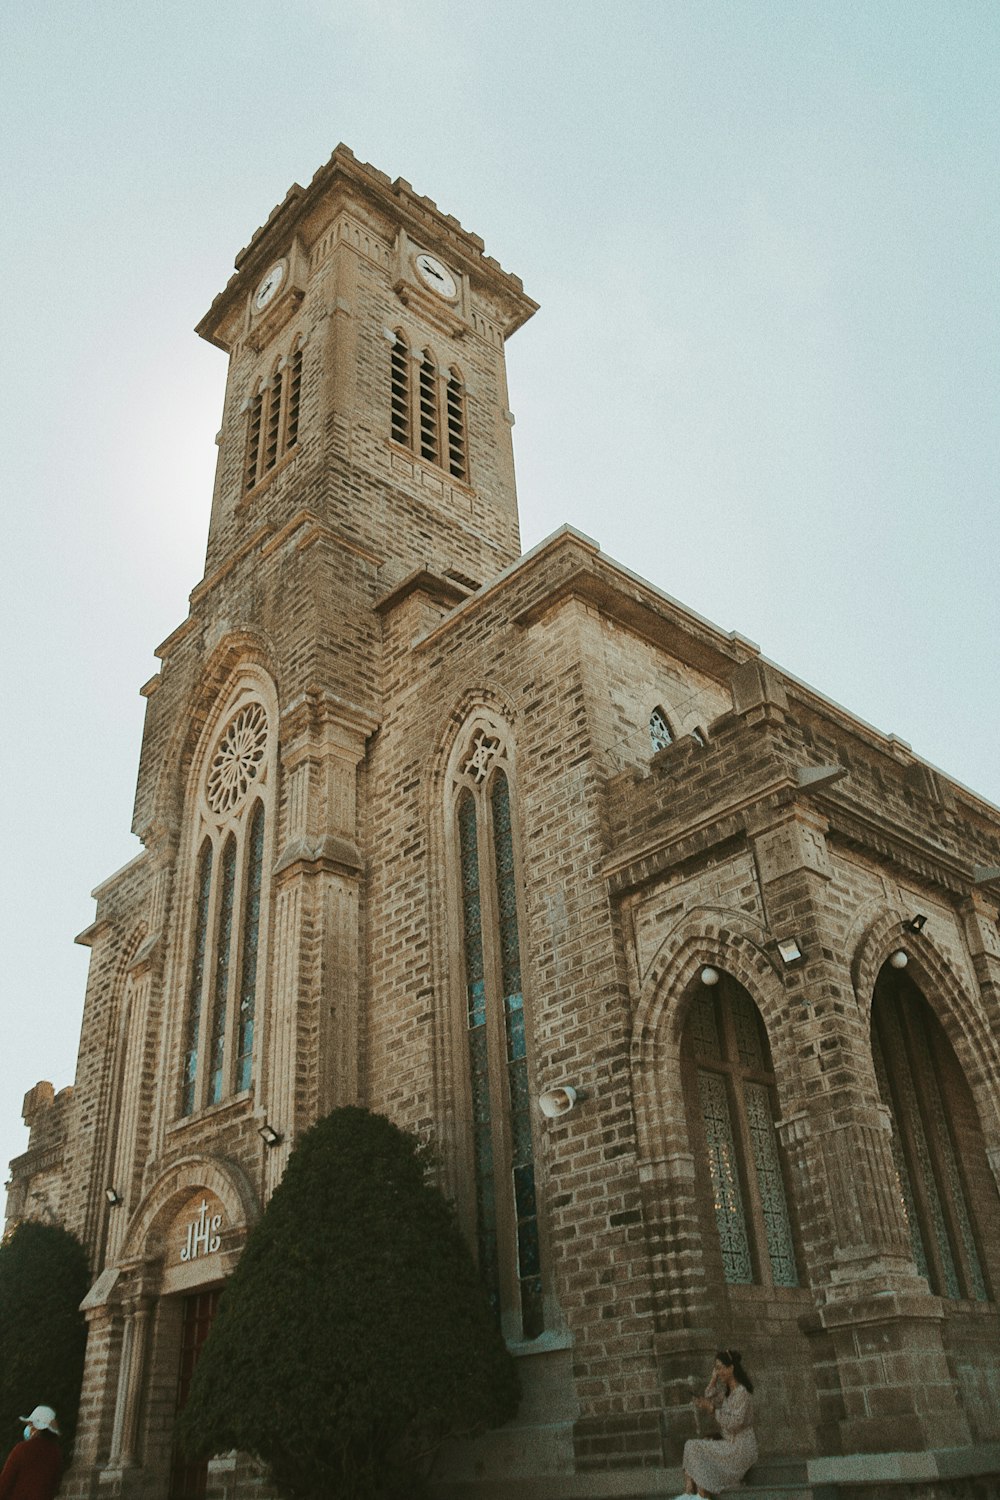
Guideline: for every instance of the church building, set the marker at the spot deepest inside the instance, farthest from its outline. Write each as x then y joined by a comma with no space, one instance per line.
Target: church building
691,978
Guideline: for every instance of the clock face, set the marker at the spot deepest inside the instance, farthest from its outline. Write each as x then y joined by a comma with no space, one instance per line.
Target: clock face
268,288
433,274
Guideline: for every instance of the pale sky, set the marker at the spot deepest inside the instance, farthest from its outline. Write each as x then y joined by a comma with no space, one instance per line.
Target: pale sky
764,375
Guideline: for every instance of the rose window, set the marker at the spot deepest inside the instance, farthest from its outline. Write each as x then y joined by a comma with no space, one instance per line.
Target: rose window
237,759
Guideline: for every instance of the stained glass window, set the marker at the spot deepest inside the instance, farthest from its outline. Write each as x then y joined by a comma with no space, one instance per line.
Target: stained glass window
196,981
723,1165
522,1151
660,733
223,951
251,941
725,1037
226,924
913,1060
507,1231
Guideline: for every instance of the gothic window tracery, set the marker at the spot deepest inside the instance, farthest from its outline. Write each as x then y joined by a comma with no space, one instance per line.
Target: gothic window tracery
224,951
935,1137
660,733
502,1149
732,1106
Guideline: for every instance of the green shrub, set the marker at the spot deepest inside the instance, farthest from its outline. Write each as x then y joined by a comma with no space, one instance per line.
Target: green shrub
355,1333
43,1335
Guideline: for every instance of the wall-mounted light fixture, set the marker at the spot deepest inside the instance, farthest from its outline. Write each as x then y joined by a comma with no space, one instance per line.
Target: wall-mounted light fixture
558,1101
789,951
269,1135
709,975
916,923
113,1196
899,959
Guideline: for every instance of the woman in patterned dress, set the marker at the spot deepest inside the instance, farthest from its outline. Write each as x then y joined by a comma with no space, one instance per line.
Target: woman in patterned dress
715,1464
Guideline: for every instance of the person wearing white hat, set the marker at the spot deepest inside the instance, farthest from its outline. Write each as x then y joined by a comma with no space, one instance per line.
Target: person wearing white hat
34,1466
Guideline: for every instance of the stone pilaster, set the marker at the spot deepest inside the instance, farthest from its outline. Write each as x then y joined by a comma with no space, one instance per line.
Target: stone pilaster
875,1314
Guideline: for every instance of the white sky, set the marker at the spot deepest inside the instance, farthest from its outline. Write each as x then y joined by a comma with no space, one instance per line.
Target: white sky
764,375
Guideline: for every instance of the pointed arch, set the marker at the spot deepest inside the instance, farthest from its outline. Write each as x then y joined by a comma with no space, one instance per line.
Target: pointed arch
223,892
498,1188
458,460
400,419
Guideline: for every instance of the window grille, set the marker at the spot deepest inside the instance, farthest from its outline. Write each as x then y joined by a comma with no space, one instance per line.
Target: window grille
921,1084
725,1041
273,419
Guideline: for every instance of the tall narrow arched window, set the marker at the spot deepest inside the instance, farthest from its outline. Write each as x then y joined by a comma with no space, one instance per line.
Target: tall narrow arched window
255,421
458,463
294,400
399,390
732,1108
505,1200
427,408
226,925
272,423
660,733
937,1145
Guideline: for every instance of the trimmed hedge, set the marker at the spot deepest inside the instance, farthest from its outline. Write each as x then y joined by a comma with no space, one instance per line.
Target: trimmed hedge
355,1333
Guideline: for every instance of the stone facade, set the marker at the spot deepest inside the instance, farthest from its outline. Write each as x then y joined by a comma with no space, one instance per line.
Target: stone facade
408,842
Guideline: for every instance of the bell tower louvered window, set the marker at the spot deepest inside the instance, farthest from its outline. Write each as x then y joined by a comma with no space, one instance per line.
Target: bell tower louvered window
502,1149
399,396
731,1097
455,417
427,407
224,963
273,419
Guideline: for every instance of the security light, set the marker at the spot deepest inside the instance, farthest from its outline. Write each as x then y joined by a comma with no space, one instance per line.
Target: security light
269,1135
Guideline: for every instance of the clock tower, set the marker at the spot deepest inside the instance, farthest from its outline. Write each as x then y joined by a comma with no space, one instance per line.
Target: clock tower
367,393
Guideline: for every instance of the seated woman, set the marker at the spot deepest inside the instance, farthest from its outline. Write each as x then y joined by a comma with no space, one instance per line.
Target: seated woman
713,1464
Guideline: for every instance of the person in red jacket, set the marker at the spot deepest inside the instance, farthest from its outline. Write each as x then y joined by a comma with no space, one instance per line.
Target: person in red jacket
34,1466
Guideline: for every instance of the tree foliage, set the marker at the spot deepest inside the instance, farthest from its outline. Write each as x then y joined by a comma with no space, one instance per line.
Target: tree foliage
354,1333
43,1335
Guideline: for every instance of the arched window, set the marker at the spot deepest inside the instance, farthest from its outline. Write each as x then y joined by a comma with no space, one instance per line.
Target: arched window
226,921
427,408
273,418
732,1107
399,390
294,402
936,1140
660,733
455,417
502,1150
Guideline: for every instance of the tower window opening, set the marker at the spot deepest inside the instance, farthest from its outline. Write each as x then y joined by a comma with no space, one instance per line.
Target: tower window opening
294,398
273,421
427,404
455,413
400,390
253,441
